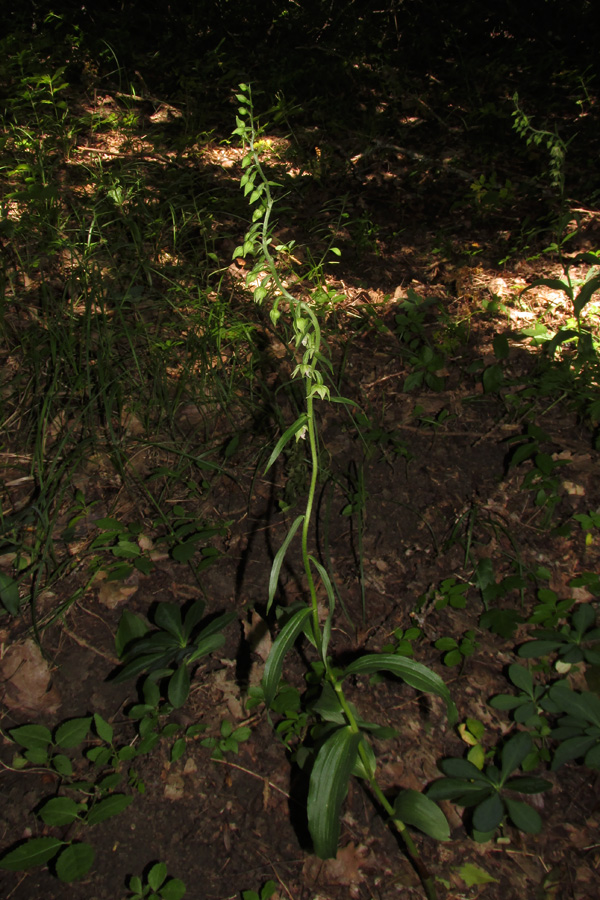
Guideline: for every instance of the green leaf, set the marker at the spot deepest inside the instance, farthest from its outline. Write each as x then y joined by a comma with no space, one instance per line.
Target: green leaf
126,550
513,754
492,379
574,748
178,749
105,809
489,814
289,433
523,816
32,853
592,757
72,733
109,782
447,643
361,770
324,575
110,525
501,348
193,617
9,594
59,811
583,617
37,756
184,551
157,875
278,561
104,730
174,889
464,793
413,673
33,737
168,617
99,755
462,768
554,284
179,686
521,677
62,764
533,649
143,565
131,627
584,704
135,884
528,784
205,646
148,743
525,451
586,293
282,643
506,701
74,862
473,875
215,625
328,788
414,808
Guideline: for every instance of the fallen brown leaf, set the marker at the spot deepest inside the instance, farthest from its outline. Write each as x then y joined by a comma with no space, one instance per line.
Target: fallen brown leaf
25,676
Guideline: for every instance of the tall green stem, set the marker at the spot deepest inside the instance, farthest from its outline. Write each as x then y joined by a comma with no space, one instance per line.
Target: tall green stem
308,341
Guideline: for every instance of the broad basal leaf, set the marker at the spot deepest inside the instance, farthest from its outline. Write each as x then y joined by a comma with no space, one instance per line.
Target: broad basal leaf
328,788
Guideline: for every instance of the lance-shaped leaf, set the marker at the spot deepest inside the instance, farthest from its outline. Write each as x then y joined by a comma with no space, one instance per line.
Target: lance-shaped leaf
413,673
554,284
331,598
328,788
289,433
278,561
586,293
282,643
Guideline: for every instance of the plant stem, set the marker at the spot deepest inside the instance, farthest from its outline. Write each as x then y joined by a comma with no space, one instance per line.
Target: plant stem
410,846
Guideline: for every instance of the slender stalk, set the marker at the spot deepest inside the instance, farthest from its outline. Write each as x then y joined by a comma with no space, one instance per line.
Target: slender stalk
308,336
409,844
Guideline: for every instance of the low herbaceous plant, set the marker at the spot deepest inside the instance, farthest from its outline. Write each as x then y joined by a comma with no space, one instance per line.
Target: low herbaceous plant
339,745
